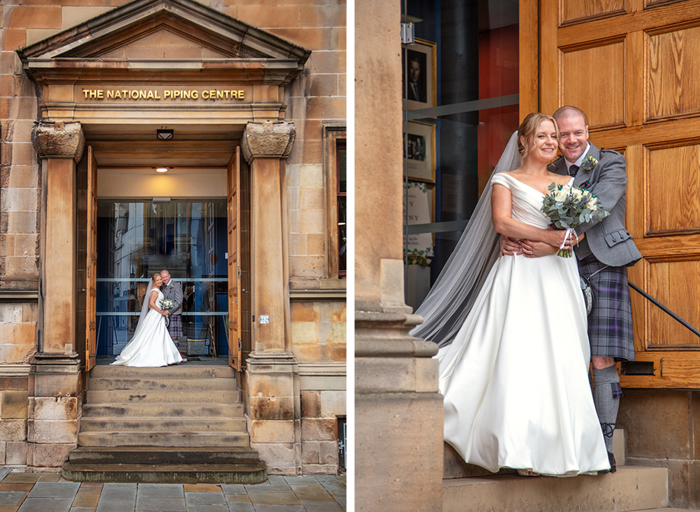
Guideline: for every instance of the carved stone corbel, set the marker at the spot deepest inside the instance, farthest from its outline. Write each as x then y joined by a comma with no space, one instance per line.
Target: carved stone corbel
58,139
268,140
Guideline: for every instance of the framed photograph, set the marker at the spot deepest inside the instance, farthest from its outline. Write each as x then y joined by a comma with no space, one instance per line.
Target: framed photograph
420,74
419,151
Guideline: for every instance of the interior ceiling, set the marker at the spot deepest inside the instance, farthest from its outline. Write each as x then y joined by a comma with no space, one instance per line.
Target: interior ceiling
196,145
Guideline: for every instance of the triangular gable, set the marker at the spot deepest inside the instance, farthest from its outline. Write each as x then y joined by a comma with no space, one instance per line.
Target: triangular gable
169,30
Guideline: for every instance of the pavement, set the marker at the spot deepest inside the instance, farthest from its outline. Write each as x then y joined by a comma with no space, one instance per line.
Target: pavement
49,492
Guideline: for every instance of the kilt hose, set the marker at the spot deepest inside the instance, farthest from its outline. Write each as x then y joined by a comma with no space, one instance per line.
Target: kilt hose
610,320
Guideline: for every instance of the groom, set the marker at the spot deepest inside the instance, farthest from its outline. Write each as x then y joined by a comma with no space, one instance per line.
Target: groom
603,257
173,291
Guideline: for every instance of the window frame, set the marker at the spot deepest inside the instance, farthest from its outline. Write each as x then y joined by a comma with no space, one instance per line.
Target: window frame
334,138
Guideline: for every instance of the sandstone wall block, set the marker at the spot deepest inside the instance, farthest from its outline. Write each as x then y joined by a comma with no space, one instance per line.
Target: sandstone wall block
13,430
52,431
13,404
16,453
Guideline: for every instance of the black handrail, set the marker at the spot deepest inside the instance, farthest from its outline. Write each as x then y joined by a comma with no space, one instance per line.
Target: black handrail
666,310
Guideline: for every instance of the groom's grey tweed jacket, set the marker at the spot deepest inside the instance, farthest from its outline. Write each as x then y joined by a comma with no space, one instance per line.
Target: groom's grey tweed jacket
173,291
607,240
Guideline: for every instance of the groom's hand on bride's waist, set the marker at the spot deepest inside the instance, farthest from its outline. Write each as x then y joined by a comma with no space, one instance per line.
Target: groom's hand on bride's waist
510,246
532,249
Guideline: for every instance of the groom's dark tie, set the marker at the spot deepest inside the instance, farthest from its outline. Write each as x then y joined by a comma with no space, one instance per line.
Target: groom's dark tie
573,170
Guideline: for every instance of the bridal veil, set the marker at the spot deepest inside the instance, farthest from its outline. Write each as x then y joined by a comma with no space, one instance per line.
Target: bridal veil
452,296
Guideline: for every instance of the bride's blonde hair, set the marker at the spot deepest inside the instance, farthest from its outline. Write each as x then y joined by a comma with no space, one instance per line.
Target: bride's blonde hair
529,127
153,277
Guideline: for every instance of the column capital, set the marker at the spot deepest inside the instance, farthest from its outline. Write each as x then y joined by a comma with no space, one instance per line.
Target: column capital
58,139
268,140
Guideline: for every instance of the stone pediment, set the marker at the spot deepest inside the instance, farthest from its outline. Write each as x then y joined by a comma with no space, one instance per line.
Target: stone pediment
182,36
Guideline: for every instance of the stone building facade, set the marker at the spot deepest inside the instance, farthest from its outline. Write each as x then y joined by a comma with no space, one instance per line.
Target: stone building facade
60,65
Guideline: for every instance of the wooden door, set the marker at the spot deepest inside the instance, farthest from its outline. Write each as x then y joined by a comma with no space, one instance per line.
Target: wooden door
630,65
91,266
234,261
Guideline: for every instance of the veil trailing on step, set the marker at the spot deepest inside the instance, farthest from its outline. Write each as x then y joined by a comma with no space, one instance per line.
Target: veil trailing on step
452,296
144,307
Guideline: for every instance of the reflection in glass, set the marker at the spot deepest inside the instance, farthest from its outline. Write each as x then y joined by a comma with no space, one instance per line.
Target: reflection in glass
136,239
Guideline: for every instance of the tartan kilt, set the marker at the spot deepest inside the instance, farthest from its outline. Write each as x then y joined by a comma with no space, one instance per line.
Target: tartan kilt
175,326
610,320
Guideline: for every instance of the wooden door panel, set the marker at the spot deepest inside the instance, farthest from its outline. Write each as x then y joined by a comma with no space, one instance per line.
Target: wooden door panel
631,66
600,95
669,283
673,209
91,265
234,263
583,10
673,89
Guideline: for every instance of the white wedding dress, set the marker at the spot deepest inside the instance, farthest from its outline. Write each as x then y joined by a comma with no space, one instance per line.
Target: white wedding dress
151,344
515,378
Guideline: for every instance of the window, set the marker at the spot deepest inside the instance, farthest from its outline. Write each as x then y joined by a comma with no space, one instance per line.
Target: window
335,158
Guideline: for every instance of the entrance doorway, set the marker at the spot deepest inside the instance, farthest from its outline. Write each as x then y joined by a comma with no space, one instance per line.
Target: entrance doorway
141,221
136,238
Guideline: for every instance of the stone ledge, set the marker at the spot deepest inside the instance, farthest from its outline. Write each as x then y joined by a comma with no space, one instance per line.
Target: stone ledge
19,296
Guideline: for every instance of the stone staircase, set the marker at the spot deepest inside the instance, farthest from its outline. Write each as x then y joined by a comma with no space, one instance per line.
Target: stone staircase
181,424
632,488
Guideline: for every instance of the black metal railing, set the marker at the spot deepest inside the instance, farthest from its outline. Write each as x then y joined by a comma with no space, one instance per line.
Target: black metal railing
665,309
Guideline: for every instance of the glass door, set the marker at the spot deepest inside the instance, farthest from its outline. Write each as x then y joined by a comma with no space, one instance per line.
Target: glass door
187,238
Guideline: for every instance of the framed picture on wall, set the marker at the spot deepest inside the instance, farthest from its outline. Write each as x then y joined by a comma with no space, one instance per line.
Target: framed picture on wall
419,151
420,74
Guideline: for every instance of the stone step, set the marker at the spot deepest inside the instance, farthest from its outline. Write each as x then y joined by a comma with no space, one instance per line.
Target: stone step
163,397
181,371
145,455
249,473
163,439
116,423
161,384
629,489
157,410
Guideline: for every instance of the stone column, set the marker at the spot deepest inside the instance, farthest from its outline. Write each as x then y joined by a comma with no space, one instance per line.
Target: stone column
272,374
55,383
398,410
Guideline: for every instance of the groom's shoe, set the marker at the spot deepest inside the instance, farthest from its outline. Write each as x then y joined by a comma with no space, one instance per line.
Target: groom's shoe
613,467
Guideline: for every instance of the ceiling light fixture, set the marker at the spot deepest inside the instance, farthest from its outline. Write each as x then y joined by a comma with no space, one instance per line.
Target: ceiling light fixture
163,134
161,169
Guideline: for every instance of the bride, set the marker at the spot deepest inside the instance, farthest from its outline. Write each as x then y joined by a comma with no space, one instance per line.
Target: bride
514,352
151,344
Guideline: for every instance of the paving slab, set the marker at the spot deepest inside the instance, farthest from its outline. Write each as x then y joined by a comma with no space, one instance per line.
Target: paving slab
311,492
207,508
277,508
234,489
54,490
118,492
85,500
22,478
11,498
161,490
274,498
160,504
201,488
116,506
243,507
82,509
46,504
49,477
299,480
321,506
205,498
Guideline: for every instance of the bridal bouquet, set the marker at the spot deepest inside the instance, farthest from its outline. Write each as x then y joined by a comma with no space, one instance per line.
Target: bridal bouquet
568,207
167,304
